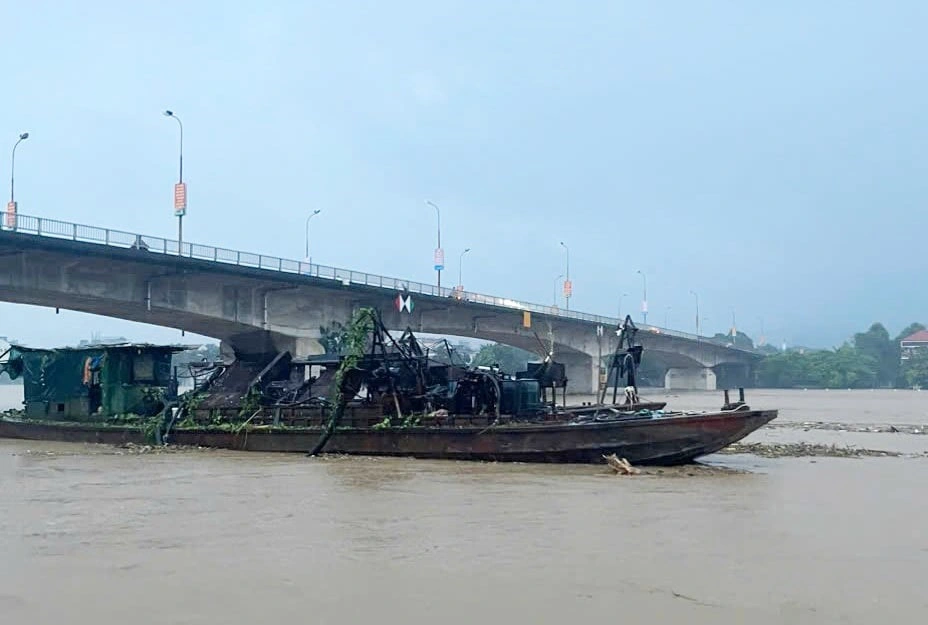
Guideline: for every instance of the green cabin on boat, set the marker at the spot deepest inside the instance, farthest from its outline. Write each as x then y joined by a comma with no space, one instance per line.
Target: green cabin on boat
92,382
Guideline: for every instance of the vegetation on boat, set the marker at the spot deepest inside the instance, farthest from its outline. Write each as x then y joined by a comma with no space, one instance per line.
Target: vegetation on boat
356,336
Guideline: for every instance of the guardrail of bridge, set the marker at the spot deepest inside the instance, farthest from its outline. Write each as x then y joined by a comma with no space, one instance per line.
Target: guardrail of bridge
53,228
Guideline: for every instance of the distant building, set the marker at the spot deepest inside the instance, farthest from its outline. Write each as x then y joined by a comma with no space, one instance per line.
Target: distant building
913,342
96,339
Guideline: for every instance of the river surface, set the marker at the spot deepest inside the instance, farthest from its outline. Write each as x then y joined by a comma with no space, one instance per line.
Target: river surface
96,535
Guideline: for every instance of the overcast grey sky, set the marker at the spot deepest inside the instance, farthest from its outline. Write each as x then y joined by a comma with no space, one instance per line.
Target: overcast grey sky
768,155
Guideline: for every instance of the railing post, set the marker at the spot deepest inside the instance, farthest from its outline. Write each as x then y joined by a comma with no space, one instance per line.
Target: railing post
238,258
38,225
74,237
215,254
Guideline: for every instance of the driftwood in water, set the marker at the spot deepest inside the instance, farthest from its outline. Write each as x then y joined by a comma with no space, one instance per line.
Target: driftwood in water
621,465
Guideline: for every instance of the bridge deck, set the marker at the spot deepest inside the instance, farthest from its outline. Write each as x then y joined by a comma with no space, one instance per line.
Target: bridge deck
62,230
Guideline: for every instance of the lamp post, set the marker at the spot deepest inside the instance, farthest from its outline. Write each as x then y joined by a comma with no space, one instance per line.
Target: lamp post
309,259
460,265
644,299
11,207
568,287
439,253
180,189
696,295
557,281
21,138
621,297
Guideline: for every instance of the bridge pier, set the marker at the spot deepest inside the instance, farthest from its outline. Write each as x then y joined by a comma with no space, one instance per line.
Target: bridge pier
734,375
690,379
298,346
582,373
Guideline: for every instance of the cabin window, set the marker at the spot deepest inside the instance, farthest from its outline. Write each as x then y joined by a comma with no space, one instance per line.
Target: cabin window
163,372
143,368
60,407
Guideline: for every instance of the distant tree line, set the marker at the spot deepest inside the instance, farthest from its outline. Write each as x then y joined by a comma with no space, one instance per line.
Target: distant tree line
870,360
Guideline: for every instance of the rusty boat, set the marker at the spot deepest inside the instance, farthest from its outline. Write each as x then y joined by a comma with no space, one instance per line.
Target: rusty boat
395,397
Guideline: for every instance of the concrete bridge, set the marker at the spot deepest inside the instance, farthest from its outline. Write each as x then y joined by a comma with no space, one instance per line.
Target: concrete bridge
256,304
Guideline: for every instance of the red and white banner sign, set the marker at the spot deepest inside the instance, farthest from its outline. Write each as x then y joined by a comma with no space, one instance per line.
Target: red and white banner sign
11,214
180,199
568,288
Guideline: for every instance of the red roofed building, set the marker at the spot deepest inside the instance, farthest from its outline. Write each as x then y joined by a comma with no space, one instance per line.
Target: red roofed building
909,344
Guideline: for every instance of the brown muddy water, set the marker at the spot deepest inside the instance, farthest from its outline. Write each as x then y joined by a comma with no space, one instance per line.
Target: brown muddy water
97,535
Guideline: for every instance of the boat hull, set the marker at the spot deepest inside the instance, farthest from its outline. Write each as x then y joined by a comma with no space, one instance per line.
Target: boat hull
660,441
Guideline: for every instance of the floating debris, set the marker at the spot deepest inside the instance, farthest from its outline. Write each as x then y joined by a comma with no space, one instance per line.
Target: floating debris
620,465
797,450
866,428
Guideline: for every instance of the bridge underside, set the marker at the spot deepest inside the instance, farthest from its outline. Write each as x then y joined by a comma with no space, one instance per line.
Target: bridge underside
258,311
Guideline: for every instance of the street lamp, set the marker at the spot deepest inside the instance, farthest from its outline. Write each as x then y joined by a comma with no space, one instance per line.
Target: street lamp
439,253
460,264
21,138
180,189
11,208
621,297
696,295
568,287
309,258
644,299
557,281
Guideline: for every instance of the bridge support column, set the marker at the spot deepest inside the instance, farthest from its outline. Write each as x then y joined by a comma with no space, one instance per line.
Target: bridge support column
307,346
695,379
733,375
260,344
582,373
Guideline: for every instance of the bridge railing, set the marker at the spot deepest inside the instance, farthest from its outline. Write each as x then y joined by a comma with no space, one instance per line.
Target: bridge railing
53,228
